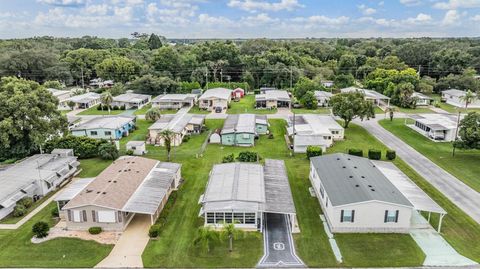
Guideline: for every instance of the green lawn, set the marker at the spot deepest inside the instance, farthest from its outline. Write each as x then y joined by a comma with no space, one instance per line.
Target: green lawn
10,219
94,111
320,110
16,250
465,165
92,167
450,108
247,105
64,112
143,110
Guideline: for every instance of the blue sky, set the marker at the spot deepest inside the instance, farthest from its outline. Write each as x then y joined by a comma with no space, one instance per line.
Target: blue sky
240,18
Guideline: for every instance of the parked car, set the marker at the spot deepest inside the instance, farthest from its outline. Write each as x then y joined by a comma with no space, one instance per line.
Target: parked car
218,109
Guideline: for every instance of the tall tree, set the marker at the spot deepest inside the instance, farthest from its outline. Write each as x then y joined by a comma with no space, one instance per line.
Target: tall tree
107,99
230,232
154,42
205,237
469,132
28,116
153,114
167,136
349,106
120,69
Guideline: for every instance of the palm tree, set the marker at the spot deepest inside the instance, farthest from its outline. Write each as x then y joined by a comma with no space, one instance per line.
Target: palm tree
230,232
468,98
107,99
153,114
205,237
167,136
391,110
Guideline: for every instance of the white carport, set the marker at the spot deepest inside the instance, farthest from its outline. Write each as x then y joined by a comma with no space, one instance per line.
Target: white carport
419,199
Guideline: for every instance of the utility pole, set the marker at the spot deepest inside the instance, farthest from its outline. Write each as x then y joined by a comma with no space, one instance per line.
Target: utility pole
293,135
456,134
83,83
206,78
291,78
221,75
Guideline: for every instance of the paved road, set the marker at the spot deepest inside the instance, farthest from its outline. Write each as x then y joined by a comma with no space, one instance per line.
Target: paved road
458,192
279,246
127,253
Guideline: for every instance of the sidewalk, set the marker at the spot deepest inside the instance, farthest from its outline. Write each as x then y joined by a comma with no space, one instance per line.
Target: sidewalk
29,216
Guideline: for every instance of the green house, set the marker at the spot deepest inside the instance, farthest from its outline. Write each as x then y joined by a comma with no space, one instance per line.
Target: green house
242,129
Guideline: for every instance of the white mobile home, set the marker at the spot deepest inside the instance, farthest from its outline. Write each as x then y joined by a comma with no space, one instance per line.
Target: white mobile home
137,147
273,99
35,177
241,193
174,101
323,98
131,100
313,130
370,95
362,196
181,124
438,127
454,97
213,98
84,101
422,99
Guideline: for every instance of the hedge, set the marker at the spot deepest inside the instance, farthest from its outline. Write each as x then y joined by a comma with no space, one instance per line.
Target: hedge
228,158
83,147
313,151
154,231
355,152
95,230
40,229
391,154
374,154
248,156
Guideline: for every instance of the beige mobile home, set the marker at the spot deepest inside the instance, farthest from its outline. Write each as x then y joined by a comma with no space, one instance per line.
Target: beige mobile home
181,124
213,98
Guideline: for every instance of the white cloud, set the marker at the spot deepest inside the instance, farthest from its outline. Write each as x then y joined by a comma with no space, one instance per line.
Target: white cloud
259,19
97,9
172,12
324,20
256,5
211,20
366,10
456,4
63,2
475,18
451,18
410,3
421,18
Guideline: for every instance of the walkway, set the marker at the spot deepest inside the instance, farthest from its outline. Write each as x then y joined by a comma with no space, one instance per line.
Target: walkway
458,192
278,243
128,251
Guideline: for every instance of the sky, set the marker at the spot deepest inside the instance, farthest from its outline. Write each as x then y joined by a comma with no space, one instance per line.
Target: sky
240,18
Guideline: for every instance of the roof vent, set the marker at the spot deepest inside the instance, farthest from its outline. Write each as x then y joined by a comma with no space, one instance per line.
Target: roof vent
372,189
344,167
350,177
88,191
119,171
98,192
355,167
129,169
362,176
357,185
109,181
348,159
369,186
338,159
104,192
125,170
114,181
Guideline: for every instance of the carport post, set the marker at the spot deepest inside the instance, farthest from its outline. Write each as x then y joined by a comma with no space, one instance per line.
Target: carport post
440,222
151,219
429,213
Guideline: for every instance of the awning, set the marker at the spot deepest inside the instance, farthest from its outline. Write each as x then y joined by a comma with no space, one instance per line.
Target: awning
278,196
73,189
419,199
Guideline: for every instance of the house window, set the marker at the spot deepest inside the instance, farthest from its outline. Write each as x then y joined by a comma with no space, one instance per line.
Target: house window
347,215
219,217
334,132
93,133
238,218
210,218
108,133
77,215
249,218
321,191
246,136
228,217
106,216
391,216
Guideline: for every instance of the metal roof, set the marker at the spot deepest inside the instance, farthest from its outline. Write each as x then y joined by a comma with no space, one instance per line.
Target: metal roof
420,200
323,94
135,143
218,93
436,121
367,93
420,95
46,167
313,124
150,194
105,122
235,186
455,92
174,98
239,123
131,97
73,189
277,95
350,179
84,98
278,196
177,122
249,187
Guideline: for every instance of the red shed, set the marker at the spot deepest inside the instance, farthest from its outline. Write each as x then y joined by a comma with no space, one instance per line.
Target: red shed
238,93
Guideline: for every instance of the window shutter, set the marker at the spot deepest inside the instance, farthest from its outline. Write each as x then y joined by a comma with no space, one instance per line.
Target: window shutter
341,216
119,216
353,215
84,215
396,216
94,216
386,215
69,215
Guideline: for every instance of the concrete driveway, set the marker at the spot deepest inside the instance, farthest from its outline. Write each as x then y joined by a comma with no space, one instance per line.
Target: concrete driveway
279,247
128,251
458,192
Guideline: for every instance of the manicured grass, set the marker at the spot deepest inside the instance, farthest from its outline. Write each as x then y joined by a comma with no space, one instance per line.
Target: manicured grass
16,250
450,108
64,112
197,110
94,111
247,105
320,110
465,165
92,167
140,134
143,110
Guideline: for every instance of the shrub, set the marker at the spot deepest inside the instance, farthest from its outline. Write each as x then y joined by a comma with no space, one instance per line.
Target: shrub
248,156
270,136
391,154
100,107
108,151
19,210
374,154
95,230
40,229
313,151
228,159
154,231
115,108
54,212
83,147
123,107
26,202
186,138
355,152
129,152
